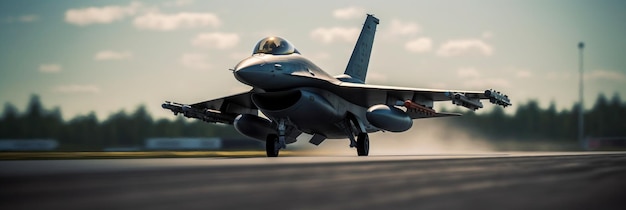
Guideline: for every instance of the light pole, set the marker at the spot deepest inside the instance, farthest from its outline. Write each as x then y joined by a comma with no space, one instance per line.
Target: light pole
581,106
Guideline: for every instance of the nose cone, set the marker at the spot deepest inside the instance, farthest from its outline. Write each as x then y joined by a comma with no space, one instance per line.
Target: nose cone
253,72
248,75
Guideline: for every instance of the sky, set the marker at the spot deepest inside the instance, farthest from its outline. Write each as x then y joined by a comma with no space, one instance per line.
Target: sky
106,56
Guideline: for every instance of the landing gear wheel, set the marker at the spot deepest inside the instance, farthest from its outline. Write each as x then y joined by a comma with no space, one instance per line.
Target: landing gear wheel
270,146
363,144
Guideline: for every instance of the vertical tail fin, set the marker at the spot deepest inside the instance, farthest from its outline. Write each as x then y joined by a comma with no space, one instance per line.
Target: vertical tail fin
360,58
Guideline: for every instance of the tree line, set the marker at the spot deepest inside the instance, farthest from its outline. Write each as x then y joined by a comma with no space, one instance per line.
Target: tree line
87,132
531,122
121,129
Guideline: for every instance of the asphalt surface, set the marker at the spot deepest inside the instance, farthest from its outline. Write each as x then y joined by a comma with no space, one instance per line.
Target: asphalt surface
473,181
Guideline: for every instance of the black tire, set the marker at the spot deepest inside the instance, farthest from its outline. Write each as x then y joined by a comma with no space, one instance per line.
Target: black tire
270,145
363,144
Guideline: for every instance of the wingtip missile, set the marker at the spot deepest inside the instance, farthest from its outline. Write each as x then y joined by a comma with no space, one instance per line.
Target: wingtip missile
172,107
495,97
207,115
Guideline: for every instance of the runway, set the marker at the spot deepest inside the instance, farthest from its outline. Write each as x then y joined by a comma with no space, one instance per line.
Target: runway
445,181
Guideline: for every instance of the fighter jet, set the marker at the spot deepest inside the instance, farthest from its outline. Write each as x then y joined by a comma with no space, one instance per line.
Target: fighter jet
296,97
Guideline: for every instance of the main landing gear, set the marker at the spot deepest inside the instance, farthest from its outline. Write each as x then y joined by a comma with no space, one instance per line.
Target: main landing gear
362,141
363,144
273,142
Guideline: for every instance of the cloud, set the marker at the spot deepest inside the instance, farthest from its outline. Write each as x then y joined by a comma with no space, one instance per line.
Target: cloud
349,13
484,83
76,89
558,76
112,55
216,40
329,35
487,35
472,78
49,68
168,22
464,46
523,74
28,18
419,45
178,3
605,75
399,28
197,61
100,15
23,19
468,73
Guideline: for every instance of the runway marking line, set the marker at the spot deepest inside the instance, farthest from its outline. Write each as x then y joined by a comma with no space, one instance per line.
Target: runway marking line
136,154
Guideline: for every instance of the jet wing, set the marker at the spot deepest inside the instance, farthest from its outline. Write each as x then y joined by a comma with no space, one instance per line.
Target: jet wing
220,110
369,95
238,104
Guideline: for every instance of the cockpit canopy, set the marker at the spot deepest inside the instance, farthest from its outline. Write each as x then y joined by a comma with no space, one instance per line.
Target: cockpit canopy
275,46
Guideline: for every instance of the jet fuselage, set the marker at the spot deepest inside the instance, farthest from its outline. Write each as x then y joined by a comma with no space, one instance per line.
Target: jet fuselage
298,97
294,88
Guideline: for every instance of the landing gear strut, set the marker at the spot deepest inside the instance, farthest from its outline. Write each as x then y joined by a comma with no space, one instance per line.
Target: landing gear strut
273,143
363,144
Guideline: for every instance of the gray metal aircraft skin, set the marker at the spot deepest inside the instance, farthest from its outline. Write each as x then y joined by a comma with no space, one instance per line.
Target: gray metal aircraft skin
298,97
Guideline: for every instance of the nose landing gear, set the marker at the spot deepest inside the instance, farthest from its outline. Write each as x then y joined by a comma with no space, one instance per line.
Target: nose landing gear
271,145
273,142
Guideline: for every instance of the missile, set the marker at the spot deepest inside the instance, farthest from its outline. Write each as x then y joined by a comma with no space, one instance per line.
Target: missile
207,115
461,100
173,106
415,107
497,98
